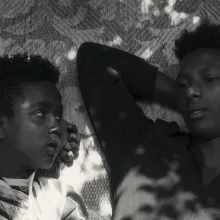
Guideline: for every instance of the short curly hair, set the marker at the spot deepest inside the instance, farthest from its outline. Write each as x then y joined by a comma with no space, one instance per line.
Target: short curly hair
18,69
206,35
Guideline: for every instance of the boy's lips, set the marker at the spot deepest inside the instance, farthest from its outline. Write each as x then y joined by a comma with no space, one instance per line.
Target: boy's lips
53,150
53,146
55,142
197,112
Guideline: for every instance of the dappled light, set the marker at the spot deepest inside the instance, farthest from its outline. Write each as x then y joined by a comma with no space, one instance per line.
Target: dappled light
143,197
175,16
117,40
89,169
71,55
139,150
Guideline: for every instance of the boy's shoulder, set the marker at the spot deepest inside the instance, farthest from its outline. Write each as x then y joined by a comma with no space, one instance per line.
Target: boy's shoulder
74,204
55,185
74,209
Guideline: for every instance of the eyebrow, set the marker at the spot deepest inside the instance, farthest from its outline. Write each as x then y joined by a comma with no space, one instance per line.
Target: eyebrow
45,104
203,70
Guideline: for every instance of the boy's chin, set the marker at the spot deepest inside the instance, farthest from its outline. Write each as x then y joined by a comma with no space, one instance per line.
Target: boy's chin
50,170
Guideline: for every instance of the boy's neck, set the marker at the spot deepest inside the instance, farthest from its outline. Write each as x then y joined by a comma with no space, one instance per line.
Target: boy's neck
11,166
210,153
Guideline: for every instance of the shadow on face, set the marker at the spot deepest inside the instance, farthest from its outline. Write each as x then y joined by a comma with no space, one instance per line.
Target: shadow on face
199,92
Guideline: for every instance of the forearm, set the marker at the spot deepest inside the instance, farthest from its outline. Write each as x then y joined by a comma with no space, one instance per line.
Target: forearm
166,91
141,79
138,76
117,121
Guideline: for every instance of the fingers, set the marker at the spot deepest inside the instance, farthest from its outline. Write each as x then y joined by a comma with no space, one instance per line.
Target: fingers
72,128
66,126
69,164
73,139
71,142
72,151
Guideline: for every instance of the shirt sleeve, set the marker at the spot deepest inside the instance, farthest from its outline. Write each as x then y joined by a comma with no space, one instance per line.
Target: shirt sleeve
138,76
118,122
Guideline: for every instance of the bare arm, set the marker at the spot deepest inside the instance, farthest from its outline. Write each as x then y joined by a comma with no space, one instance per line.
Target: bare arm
166,91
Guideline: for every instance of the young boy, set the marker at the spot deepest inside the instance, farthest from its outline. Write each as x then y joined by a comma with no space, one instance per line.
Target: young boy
30,139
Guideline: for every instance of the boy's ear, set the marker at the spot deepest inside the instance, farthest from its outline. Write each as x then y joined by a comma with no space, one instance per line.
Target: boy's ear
2,128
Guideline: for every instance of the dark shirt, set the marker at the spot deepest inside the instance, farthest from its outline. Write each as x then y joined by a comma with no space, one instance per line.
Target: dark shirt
124,131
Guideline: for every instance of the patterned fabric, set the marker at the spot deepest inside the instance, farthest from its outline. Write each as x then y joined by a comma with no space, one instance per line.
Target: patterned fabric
18,184
12,200
173,207
55,29
34,199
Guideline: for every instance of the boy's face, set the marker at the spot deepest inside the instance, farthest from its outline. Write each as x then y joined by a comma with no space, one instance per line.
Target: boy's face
35,123
199,100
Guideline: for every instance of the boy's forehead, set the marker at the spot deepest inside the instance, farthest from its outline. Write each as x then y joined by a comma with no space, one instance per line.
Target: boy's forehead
39,94
28,104
208,55
199,60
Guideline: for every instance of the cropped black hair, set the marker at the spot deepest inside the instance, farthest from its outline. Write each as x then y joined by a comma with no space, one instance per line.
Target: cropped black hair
205,35
18,69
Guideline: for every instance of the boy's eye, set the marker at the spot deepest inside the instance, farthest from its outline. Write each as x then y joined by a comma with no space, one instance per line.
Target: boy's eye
59,117
183,84
40,113
210,79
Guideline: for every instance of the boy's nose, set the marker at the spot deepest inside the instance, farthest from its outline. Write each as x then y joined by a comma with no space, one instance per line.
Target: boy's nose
194,91
55,127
